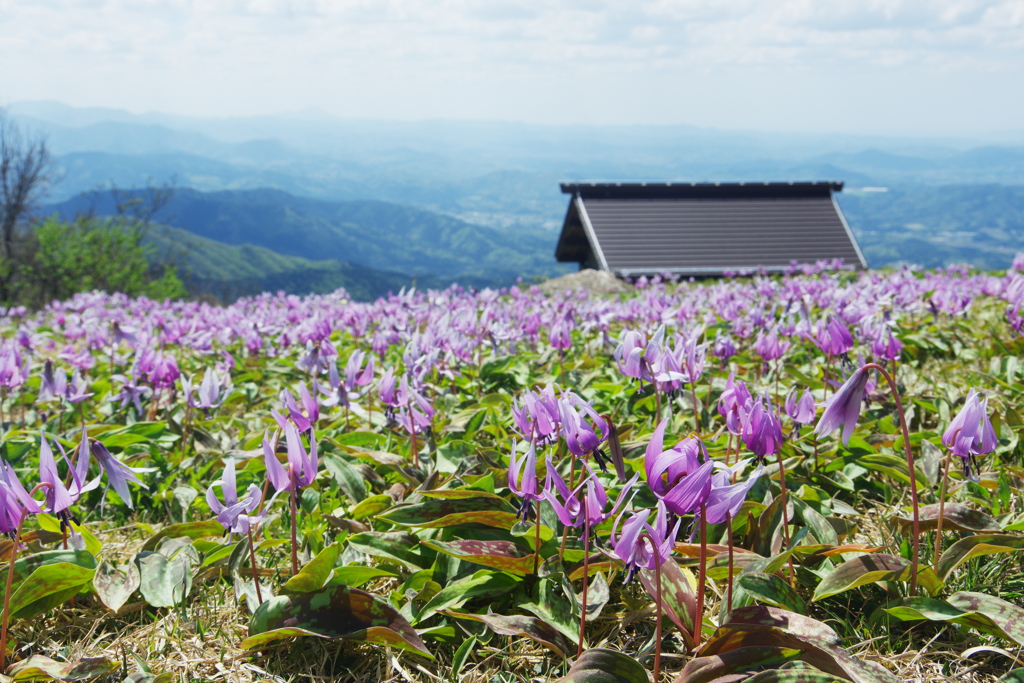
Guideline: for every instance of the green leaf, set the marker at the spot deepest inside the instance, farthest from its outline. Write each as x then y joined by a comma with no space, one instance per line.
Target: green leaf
771,589
530,627
315,574
164,582
893,466
503,555
355,575
483,584
40,668
363,439
334,612
400,546
984,613
551,606
461,656
600,665
976,546
348,478
872,568
47,587
371,506
115,586
192,530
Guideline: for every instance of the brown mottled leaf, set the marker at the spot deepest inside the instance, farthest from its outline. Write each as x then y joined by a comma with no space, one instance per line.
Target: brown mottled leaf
600,665
770,589
503,555
759,626
334,612
40,668
870,569
530,627
976,546
400,546
677,597
955,517
735,664
434,512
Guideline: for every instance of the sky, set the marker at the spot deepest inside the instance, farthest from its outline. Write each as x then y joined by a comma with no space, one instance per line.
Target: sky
892,67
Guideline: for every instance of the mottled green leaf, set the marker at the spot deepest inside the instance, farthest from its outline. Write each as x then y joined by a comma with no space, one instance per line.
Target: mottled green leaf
872,568
114,586
356,575
334,612
771,589
400,546
893,466
315,573
955,517
734,662
678,599
432,513
192,530
760,626
461,656
550,605
503,555
47,587
976,546
483,584
40,668
530,627
368,507
601,665
347,477
164,582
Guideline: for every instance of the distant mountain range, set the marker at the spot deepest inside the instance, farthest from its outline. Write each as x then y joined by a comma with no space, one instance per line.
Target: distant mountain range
479,201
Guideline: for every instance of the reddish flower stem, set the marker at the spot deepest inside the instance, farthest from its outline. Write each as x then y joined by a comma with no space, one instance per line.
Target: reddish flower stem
785,512
536,545
942,508
10,580
916,541
586,575
728,523
295,539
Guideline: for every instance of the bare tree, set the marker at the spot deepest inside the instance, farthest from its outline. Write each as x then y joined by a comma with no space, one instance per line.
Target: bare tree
26,170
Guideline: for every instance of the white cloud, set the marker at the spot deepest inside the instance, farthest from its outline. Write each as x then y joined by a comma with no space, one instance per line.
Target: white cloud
713,62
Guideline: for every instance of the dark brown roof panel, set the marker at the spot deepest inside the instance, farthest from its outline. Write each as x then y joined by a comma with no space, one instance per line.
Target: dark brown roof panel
708,229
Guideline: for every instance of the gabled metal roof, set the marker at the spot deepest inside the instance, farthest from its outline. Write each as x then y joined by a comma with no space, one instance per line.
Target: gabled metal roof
704,228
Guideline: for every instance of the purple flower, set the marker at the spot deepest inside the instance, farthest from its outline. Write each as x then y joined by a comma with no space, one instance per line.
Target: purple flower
886,346
970,434
762,432
15,502
210,394
537,416
726,498
803,411
234,514
724,347
307,420
834,339
58,498
301,465
580,435
734,403
522,478
640,553
637,357
118,474
571,511
843,408
769,346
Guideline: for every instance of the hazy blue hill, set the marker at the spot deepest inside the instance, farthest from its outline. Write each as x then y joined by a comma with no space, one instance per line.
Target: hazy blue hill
377,235
230,271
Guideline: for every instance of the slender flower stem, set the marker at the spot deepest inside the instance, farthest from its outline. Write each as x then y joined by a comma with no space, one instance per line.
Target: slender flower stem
696,410
785,512
728,527
565,530
942,508
698,618
586,575
295,541
657,606
536,545
916,541
10,580
252,563
657,404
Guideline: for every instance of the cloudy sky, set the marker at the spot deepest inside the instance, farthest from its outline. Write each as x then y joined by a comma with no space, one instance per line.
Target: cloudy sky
857,66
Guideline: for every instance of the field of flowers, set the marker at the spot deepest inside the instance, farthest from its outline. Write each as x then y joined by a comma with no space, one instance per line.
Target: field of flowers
792,479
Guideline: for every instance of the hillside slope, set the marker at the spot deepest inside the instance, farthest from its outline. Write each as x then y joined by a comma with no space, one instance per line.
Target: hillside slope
373,234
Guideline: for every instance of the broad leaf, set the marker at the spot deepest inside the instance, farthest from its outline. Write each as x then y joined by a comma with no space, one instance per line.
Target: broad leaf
503,555
771,589
475,508
734,662
955,517
873,568
334,612
400,546
47,587
551,605
115,586
315,574
600,665
976,546
483,584
530,627
192,530
40,668
678,599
